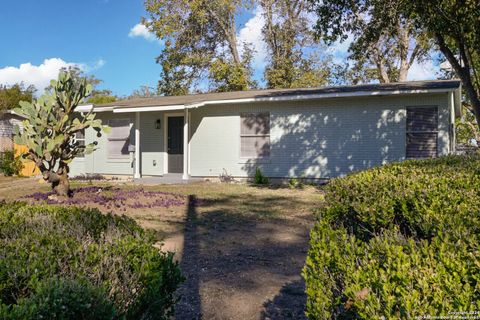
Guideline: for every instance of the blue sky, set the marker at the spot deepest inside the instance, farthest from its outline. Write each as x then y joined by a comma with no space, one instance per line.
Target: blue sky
102,36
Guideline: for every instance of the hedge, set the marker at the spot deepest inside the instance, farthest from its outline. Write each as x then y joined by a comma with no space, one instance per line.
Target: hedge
398,241
106,254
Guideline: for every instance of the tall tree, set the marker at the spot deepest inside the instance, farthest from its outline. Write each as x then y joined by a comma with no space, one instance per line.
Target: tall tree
10,96
454,25
97,96
384,39
200,38
295,58
49,129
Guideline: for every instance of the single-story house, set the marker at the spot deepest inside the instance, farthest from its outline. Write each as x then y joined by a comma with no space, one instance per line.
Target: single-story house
8,119
312,133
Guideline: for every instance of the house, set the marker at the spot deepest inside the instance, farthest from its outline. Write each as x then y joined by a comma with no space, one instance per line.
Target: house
313,133
8,119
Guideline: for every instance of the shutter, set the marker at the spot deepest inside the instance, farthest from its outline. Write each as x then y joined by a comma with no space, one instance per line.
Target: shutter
255,135
422,135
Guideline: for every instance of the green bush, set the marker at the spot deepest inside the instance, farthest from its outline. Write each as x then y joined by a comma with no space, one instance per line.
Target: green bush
259,178
113,254
10,164
63,299
399,241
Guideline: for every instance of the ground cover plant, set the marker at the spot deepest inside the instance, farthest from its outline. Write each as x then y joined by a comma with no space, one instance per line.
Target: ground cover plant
55,260
399,241
111,197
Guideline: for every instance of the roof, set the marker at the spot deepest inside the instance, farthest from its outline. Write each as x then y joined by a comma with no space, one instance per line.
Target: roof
274,94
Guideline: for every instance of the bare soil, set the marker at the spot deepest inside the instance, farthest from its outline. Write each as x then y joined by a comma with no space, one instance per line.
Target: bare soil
241,248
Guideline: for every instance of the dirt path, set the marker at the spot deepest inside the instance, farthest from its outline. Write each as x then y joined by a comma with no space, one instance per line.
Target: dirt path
242,267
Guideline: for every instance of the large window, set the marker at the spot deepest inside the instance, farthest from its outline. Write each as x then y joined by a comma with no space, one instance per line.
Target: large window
79,139
422,132
119,138
255,135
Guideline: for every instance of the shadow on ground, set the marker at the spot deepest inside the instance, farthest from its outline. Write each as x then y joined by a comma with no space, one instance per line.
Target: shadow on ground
243,264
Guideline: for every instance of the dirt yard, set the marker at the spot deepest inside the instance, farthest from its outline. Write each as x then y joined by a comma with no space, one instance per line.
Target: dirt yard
240,247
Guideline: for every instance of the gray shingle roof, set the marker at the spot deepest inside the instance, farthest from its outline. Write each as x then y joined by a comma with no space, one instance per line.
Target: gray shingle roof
272,93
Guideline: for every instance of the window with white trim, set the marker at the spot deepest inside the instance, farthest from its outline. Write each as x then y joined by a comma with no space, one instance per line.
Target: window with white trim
255,135
79,139
118,138
422,132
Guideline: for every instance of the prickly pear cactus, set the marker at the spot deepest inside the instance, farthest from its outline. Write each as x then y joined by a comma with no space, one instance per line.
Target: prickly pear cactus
49,128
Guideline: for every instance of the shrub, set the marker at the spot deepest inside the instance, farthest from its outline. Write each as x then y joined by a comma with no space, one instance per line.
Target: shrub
259,178
399,241
10,164
63,299
112,253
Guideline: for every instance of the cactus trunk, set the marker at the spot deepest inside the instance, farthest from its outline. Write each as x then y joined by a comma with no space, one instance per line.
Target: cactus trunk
62,186
59,180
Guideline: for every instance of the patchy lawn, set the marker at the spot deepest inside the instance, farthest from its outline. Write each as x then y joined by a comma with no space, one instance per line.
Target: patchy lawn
241,247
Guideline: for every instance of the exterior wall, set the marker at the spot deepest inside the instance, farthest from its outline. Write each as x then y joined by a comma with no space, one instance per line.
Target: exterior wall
312,139
151,147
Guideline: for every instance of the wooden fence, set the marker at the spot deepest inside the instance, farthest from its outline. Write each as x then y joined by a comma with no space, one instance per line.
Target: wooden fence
29,168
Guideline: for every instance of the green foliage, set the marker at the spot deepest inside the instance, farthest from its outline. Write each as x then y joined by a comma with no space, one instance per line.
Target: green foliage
10,96
200,41
50,125
111,253
400,241
454,26
62,299
466,128
384,40
10,164
259,178
230,76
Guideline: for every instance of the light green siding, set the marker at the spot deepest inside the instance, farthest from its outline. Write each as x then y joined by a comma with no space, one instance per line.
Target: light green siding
315,139
151,146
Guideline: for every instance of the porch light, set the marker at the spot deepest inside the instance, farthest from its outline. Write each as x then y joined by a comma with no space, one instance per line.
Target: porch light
158,124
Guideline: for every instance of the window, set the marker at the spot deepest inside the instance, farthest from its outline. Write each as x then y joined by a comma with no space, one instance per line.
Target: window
119,138
255,135
422,132
79,139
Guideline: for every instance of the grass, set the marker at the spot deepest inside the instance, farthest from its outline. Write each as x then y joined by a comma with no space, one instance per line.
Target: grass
241,247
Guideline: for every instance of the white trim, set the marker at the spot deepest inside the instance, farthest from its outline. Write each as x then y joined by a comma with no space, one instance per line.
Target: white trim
185,145
319,96
87,108
118,109
137,146
165,137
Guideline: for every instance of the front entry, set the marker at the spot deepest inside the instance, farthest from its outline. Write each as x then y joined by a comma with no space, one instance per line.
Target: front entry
175,144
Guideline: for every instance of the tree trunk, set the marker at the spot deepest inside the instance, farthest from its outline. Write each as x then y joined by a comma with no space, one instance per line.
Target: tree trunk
62,185
59,180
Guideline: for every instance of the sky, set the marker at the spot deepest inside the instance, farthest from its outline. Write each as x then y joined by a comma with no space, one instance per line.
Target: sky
104,38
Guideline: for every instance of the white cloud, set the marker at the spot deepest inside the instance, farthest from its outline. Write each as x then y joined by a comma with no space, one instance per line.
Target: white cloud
40,75
89,68
139,30
423,71
252,33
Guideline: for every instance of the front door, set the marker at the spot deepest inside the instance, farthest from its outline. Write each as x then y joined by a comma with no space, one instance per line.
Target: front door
175,144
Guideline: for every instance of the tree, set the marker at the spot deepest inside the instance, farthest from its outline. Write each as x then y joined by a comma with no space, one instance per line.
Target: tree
385,40
97,96
454,25
142,92
295,58
49,129
200,39
10,96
